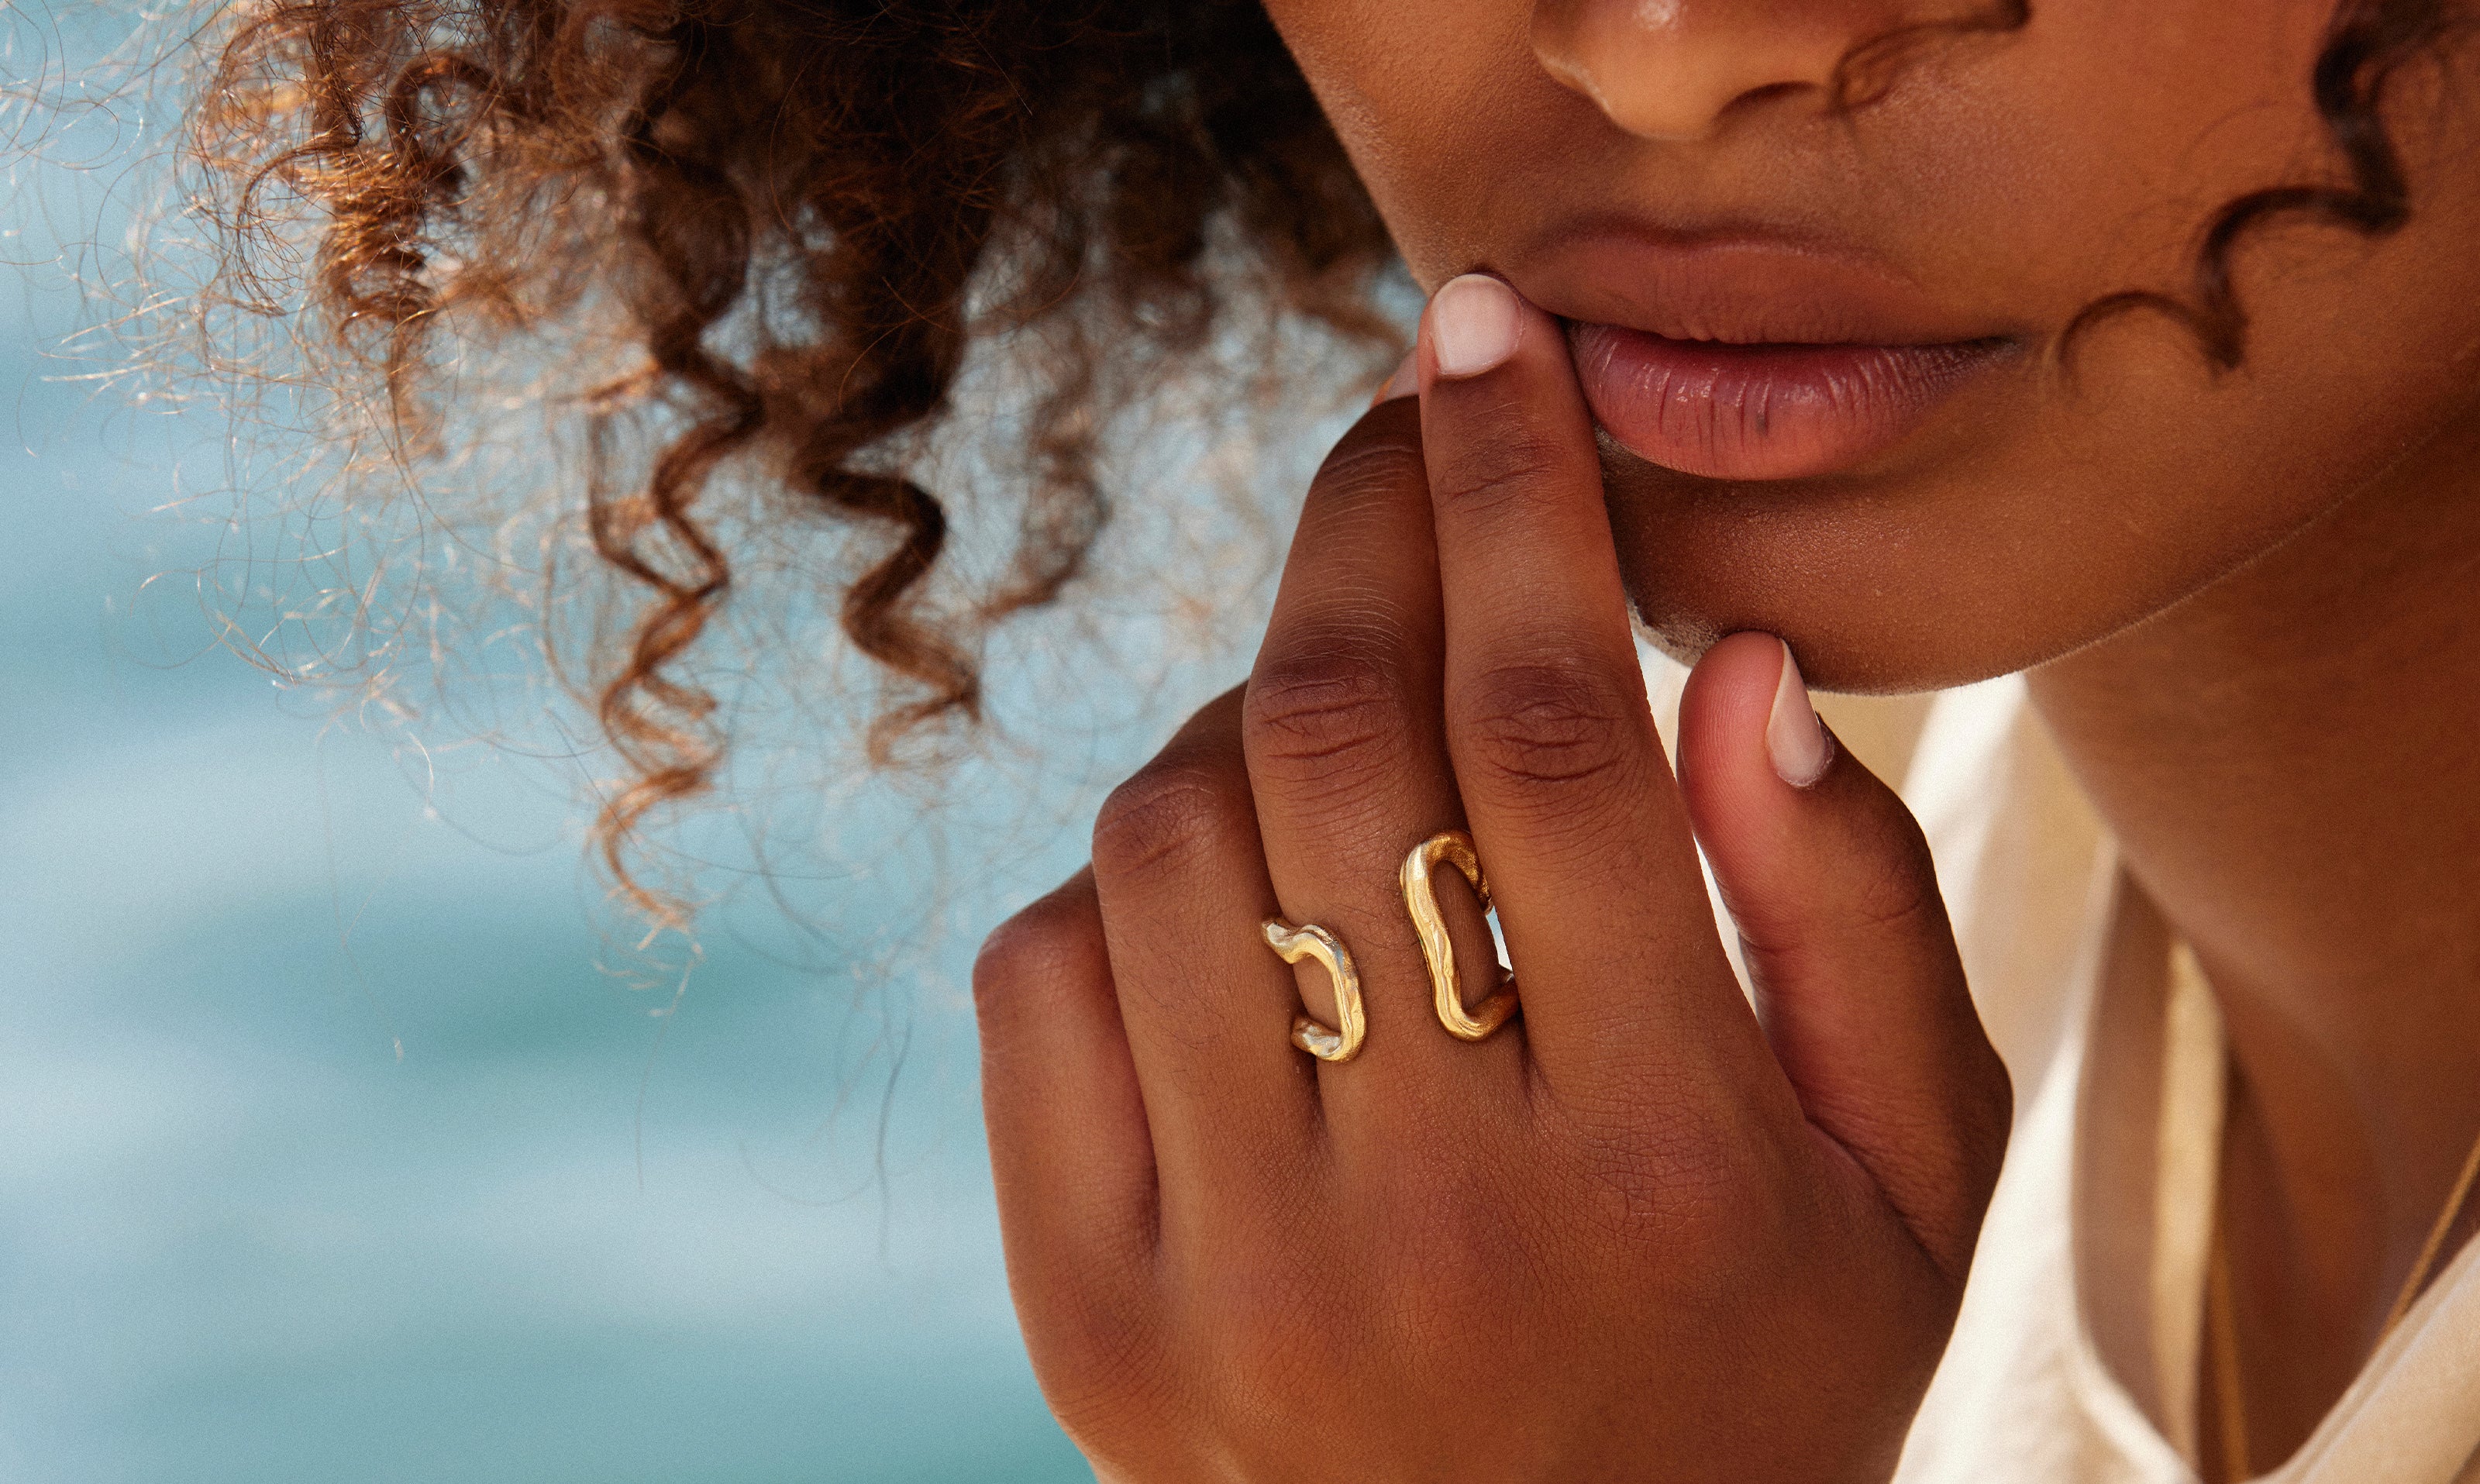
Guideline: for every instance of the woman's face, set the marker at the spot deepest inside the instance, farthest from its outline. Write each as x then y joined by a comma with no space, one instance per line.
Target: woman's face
1821,345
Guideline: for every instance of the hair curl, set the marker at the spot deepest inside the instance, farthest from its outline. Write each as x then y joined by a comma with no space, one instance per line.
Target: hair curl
2367,43
808,211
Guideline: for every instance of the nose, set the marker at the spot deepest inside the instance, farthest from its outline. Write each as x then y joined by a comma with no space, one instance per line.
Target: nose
1671,69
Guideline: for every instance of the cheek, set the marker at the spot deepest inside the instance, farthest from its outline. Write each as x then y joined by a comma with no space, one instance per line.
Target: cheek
2075,503
1442,107
2068,504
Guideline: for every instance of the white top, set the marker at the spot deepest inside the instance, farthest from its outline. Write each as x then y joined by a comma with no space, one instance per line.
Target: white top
2075,1358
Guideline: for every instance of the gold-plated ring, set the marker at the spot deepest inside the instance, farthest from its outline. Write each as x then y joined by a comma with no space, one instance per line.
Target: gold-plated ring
1352,1022
1438,950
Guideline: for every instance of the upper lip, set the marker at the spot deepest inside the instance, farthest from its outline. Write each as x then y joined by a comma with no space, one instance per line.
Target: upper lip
1735,284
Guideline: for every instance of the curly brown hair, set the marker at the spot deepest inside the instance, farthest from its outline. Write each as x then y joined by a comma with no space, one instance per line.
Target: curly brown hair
808,211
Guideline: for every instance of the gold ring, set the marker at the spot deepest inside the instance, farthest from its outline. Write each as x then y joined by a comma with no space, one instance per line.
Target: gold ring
1455,848
1351,1023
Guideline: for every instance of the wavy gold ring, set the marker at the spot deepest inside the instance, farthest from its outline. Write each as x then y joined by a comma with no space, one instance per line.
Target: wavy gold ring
1351,1023
1455,848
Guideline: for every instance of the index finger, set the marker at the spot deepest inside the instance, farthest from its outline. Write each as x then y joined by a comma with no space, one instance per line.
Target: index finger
1574,813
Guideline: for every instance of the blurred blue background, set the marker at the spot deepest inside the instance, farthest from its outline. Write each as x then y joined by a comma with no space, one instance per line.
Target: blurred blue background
329,1149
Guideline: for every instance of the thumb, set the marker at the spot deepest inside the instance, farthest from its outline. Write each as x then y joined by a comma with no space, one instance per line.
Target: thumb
1847,942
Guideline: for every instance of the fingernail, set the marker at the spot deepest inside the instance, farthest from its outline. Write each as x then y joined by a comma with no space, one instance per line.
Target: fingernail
1795,738
1473,323
1405,381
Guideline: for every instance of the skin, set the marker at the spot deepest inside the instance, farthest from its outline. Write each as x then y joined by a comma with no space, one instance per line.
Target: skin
1643,1234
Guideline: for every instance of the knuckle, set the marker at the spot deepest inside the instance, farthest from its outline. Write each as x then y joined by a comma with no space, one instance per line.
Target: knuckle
1903,895
1053,942
1987,1128
1509,470
1530,726
1334,701
1168,816
1379,456
1657,1159
1277,1346
1677,1182
1982,1123
1096,1364
1277,1339
1477,1258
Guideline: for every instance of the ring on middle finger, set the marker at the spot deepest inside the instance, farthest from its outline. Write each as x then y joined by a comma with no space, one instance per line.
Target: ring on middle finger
1438,950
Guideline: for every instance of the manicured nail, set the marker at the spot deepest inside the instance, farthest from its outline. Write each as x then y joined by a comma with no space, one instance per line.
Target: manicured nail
1405,381
1473,323
1795,738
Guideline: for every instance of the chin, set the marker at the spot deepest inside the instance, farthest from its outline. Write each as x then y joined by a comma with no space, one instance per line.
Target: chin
1870,595
1889,658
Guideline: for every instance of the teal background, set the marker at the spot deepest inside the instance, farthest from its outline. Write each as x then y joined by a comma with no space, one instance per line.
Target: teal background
332,1146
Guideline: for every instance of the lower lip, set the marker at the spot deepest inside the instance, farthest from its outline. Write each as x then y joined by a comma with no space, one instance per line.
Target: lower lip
1768,411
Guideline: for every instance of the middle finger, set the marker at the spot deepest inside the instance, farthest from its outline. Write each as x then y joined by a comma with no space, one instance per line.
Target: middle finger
1346,742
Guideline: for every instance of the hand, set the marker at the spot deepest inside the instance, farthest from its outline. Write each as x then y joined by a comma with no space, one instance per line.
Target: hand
1638,1234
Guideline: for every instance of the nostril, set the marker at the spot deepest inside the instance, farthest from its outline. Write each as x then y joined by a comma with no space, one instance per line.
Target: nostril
1769,91
1756,98
1677,71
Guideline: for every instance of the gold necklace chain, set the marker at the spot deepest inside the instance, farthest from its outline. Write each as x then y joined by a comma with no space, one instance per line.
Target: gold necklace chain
2222,1320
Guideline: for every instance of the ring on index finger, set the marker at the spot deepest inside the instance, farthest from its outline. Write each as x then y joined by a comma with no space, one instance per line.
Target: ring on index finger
1438,950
